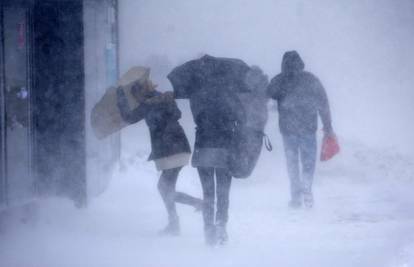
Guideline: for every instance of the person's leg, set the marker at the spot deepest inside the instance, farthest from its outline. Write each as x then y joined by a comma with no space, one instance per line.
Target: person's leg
166,187
223,178
292,160
308,151
184,198
207,182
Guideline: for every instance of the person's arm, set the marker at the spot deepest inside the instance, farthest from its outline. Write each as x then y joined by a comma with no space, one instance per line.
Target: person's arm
128,115
171,106
175,111
323,107
166,102
274,88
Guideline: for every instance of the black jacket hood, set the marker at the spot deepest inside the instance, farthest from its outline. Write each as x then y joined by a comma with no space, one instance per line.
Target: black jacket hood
292,62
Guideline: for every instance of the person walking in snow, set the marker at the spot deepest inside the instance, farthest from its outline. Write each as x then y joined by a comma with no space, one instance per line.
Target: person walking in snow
212,85
211,152
300,97
170,148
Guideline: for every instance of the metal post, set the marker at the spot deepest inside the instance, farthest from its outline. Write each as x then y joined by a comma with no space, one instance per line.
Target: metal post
3,178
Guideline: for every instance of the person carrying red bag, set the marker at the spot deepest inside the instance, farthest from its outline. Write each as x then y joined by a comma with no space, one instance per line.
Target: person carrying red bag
301,97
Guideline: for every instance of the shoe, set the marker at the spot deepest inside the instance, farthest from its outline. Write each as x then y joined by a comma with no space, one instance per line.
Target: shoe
295,204
221,234
308,200
172,229
210,235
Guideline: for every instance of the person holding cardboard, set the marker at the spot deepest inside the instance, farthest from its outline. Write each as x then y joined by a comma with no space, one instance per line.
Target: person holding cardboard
170,149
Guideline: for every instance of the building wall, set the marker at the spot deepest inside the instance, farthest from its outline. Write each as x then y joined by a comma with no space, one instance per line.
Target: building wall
101,71
69,52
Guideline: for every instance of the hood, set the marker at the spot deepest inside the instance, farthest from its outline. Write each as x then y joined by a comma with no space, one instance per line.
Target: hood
292,62
256,80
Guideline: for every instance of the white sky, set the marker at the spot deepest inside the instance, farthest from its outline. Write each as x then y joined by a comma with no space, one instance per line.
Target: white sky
360,49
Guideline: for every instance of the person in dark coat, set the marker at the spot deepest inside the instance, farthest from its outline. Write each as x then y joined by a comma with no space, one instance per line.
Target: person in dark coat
170,149
211,84
300,97
215,121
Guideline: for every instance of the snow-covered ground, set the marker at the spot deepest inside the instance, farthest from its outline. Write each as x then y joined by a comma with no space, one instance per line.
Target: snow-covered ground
364,216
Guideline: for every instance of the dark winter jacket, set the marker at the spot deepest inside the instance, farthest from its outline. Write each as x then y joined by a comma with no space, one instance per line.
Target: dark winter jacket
161,115
300,97
211,84
216,118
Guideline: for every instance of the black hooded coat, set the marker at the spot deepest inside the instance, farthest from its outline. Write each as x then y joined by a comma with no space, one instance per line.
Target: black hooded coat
228,103
211,83
167,135
300,97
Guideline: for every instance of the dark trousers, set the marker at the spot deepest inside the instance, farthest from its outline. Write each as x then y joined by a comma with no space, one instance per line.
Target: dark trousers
223,180
166,187
300,149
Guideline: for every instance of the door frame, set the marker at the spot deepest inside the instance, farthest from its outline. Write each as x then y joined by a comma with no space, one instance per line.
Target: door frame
4,193
3,176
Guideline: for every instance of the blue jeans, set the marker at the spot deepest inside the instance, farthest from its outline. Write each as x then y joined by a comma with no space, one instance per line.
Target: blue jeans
300,150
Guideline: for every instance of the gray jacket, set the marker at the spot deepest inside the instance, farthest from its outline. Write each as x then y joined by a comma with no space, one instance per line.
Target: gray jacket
300,97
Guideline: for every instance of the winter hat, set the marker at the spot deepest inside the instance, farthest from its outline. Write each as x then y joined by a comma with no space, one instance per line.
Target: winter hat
137,79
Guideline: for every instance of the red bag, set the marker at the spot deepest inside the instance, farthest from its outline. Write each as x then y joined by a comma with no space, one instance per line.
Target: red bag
330,147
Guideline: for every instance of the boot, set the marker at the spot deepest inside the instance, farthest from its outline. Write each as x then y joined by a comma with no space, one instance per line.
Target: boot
308,200
295,199
295,203
210,235
221,234
172,228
